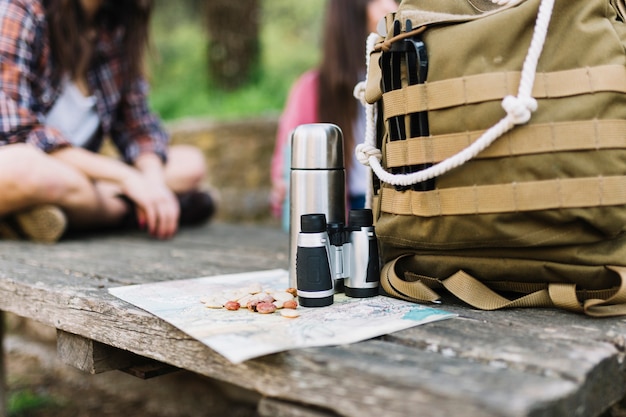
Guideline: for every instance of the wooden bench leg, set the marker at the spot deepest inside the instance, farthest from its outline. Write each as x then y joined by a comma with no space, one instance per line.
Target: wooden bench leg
3,387
94,357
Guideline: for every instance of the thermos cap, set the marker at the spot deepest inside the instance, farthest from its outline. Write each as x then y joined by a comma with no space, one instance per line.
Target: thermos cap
317,146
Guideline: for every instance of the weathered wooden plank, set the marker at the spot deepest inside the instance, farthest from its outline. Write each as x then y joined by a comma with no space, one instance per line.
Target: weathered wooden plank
149,369
544,341
91,356
413,382
269,407
94,357
531,349
135,258
300,377
508,364
394,378
3,386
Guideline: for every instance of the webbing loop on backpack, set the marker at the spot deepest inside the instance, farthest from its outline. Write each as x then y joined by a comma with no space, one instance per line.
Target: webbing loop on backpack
509,197
518,111
480,88
542,138
595,303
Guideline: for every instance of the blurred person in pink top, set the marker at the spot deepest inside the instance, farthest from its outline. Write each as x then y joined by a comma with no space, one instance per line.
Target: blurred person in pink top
325,95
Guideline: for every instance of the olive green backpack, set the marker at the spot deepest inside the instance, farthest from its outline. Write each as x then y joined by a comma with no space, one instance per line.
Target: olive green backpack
500,152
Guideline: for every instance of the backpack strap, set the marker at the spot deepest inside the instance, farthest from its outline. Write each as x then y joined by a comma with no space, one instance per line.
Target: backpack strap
614,305
416,291
600,303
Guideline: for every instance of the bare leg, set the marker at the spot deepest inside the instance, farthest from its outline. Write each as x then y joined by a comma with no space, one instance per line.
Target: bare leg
3,387
185,169
185,172
29,177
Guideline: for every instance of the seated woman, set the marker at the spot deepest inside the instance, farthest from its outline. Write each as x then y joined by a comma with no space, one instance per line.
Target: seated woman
71,75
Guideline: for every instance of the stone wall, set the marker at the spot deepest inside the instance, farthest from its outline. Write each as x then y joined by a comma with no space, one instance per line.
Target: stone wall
238,155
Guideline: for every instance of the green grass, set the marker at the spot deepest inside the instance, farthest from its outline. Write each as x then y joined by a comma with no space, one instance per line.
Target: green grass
25,402
181,86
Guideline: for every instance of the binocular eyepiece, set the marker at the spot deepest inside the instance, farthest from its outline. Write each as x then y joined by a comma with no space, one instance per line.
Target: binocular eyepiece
331,258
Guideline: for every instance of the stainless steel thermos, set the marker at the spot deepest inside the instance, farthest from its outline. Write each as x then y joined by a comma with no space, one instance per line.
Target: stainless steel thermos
317,180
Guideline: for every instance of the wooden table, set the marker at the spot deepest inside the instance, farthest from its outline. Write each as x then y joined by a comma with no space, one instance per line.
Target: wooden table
508,363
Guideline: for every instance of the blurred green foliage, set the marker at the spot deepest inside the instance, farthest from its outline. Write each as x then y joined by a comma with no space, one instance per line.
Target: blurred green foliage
181,85
24,403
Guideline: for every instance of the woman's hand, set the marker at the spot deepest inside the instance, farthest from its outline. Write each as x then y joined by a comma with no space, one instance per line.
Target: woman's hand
158,207
144,184
277,197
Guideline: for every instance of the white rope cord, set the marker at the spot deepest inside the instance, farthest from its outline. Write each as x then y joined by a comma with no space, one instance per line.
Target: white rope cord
518,111
370,116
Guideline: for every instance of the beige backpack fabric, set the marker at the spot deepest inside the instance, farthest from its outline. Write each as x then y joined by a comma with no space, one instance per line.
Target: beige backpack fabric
521,172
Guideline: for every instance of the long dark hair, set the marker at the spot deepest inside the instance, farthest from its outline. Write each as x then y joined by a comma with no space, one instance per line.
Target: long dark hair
69,31
342,65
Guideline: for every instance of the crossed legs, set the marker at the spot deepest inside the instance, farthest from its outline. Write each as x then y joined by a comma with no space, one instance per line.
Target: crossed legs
29,177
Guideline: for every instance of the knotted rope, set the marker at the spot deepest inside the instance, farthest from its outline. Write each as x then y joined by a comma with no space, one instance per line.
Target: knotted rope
370,126
518,111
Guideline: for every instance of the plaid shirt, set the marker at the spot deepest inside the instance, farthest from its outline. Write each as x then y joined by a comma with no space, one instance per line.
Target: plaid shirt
28,89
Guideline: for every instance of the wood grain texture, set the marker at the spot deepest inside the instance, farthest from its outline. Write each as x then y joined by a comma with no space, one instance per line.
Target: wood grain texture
3,385
269,407
509,363
91,356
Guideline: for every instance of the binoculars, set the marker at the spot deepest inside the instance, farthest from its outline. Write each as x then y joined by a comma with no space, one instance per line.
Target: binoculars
332,254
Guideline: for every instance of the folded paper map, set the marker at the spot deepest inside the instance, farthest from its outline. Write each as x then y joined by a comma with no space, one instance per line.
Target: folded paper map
241,335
